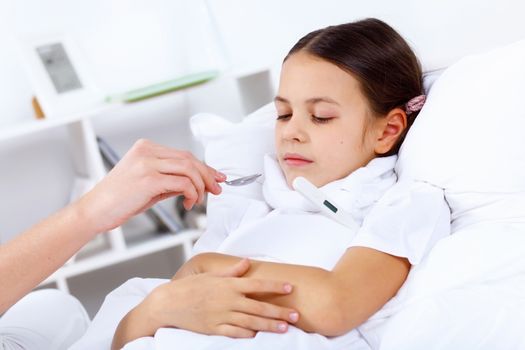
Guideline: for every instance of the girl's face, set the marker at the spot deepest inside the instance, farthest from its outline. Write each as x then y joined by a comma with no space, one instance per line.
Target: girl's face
324,129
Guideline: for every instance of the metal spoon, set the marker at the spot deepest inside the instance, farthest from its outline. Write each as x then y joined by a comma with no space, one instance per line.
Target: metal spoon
245,180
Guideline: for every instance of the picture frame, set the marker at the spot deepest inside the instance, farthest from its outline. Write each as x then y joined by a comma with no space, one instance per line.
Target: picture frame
59,76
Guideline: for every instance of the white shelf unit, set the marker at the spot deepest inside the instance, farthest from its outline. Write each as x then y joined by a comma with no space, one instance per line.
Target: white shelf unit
110,248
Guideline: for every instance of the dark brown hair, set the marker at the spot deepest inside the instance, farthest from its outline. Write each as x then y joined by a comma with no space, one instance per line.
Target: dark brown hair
377,56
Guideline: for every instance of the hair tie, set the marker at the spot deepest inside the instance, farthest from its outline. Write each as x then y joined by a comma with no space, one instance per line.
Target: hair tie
415,104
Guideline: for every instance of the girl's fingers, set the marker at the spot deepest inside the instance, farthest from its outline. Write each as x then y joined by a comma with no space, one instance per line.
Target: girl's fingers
253,285
267,310
237,270
257,323
234,331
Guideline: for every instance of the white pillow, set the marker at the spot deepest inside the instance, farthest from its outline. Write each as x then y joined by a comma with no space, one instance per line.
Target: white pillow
468,138
469,135
237,149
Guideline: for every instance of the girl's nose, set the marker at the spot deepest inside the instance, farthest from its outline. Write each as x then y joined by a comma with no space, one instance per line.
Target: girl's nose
294,129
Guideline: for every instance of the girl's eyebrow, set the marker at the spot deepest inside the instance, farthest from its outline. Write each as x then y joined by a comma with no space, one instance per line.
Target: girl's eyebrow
280,99
325,99
312,100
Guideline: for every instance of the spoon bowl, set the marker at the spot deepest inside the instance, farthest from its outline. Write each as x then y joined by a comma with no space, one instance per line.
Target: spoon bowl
242,181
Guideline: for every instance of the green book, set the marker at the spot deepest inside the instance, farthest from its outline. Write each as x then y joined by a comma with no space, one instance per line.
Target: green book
164,87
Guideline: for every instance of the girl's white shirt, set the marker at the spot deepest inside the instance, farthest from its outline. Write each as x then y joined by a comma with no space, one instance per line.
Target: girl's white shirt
400,218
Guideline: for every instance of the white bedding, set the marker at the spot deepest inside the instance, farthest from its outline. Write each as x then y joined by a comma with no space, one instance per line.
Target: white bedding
469,293
124,298
295,339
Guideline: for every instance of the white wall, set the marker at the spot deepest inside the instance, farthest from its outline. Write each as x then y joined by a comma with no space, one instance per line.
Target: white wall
130,43
440,31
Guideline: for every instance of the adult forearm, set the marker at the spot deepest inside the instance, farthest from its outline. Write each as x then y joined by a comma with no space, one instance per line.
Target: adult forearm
32,256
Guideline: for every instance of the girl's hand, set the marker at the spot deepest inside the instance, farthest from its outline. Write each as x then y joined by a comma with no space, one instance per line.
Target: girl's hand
209,304
194,266
147,174
221,305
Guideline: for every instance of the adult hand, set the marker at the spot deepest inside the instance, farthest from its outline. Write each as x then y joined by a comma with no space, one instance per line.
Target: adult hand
147,174
209,304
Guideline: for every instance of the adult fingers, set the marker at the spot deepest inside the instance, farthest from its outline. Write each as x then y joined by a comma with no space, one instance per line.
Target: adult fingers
237,270
256,323
209,175
234,331
183,167
178,184
157,199
267,310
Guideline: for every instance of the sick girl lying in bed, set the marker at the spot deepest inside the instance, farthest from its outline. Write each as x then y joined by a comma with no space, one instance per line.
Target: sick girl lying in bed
347,96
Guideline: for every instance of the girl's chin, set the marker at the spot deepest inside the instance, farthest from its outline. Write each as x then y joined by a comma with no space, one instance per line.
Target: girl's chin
316,182
290,179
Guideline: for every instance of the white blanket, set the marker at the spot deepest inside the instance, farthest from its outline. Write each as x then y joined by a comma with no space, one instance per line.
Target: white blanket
469,293
127,296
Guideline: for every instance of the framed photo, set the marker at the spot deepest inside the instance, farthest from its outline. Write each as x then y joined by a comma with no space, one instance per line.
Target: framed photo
59,77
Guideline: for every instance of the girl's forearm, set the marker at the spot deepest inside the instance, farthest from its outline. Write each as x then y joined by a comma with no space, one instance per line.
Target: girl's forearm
315,293
136,324
329,302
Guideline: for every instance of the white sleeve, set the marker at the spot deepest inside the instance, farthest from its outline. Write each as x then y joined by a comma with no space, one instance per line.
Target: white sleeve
407,221
224,214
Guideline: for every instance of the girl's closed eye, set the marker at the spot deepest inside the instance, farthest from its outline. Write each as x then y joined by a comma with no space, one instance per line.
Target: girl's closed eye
284,116
321,120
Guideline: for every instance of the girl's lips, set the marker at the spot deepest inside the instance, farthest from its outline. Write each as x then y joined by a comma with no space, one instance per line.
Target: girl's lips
296,160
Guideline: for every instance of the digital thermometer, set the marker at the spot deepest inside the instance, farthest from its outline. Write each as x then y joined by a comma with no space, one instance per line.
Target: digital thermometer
321,201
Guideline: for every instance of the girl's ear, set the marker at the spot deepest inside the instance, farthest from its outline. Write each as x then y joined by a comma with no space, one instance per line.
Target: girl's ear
390,129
